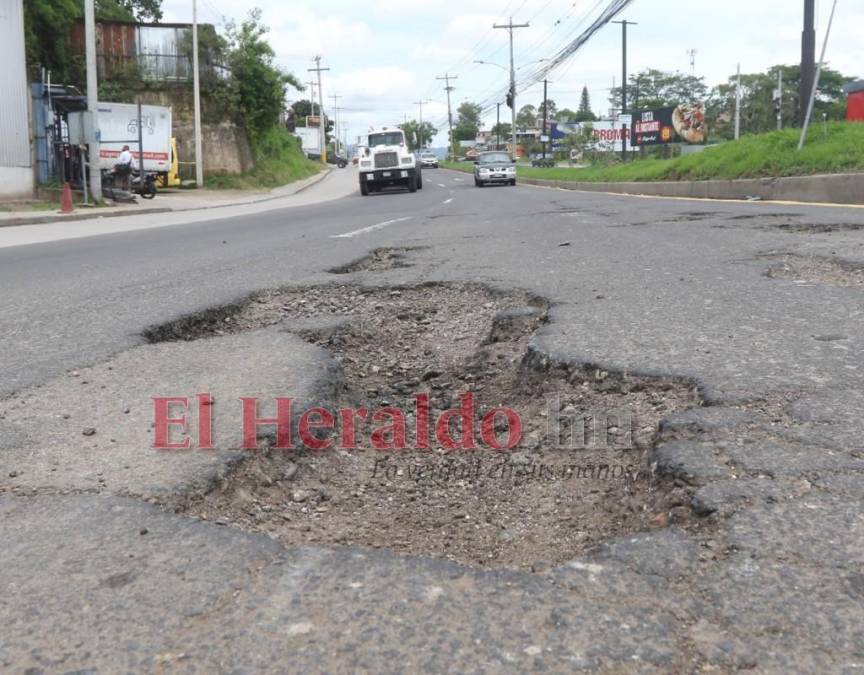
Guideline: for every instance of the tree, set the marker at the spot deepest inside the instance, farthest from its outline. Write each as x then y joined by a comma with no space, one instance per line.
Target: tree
128,10
304,108
552,108
500,131
47,26
567,115
758,112
468,122
259,84
526,117
658,89
585,113
418,135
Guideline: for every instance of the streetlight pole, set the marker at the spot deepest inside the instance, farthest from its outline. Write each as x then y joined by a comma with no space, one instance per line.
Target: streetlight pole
808,58
196,87
420,128
738,105
322,129
509,27
624,25
92,99
447,77
811,100
545,114
336,98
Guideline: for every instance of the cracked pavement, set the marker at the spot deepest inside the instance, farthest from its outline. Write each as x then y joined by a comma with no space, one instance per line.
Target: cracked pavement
95,578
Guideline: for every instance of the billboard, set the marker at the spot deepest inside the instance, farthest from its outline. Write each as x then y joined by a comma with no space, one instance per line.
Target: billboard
677,124
606,135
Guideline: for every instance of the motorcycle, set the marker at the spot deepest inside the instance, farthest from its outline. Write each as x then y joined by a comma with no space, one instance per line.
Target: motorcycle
146,188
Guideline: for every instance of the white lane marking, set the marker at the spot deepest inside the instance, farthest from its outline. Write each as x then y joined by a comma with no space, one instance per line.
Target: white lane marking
371,228
459,180
441,185
447,201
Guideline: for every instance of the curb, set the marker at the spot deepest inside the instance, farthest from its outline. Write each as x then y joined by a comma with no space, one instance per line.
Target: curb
846,189
841,189
48,219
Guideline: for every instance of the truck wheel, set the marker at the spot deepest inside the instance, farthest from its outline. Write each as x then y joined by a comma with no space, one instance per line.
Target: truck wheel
419,181
412,184
364,189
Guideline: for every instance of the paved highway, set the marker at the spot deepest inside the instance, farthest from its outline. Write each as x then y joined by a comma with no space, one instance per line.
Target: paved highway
760,305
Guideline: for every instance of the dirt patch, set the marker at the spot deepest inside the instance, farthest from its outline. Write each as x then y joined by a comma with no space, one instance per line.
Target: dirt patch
580,472
817,270
380,260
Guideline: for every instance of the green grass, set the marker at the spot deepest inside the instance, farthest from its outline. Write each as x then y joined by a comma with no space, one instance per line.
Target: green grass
278,161
764,155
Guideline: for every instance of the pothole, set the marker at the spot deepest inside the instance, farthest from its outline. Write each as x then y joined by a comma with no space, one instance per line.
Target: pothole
817,228
380,260
817,270
580,472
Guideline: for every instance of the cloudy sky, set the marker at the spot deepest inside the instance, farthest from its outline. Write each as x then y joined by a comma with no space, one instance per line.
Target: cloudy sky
384,56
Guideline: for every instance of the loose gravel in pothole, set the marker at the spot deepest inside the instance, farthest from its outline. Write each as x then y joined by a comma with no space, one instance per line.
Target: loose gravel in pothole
547,500
816,270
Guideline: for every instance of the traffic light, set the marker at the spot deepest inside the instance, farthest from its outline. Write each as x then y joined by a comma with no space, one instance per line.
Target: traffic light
510,98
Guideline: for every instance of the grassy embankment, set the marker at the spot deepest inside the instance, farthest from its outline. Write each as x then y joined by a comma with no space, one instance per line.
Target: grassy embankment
278,161
764,155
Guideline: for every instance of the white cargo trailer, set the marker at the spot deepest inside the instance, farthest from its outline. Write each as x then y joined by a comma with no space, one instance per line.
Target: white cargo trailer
118,126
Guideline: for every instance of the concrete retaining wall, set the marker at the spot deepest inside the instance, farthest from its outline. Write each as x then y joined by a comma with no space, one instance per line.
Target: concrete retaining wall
847,188
226,147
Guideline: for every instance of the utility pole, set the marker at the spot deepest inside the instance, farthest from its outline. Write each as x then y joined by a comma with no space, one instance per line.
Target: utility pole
196,87
336,109
312,96
692,54
812,95
92,99
420,129
624,25
808,58
509,27
738,105
779,98
448,89
498,125
322,126
545,111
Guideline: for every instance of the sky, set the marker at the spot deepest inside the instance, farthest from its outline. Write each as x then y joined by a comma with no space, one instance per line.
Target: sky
384,56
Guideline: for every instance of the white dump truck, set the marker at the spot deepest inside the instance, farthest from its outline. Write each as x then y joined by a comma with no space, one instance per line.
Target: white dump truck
385,160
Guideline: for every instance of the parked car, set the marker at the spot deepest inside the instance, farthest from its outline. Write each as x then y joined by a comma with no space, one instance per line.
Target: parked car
537,159
494,167
338,160
429,160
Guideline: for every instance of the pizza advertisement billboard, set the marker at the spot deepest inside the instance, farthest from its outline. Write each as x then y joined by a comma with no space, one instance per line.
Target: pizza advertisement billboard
684,123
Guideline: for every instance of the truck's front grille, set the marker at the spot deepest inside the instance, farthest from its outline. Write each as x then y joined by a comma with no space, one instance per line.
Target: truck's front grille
386,160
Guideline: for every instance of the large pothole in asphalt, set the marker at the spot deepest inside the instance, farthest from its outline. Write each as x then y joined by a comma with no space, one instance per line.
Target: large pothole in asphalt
580,472
817,270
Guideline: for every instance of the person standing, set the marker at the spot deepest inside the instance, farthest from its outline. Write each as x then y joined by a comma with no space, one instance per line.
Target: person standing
123,168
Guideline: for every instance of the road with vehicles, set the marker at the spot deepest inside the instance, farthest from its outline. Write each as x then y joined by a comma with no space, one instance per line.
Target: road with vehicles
734,329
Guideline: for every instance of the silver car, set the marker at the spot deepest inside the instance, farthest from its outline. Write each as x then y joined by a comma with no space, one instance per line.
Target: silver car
494,167
429,160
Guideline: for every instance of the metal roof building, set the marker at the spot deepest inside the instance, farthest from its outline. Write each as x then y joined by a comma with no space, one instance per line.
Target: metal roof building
16,155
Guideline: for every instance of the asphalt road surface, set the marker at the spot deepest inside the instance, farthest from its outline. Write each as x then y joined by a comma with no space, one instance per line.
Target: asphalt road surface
758,304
